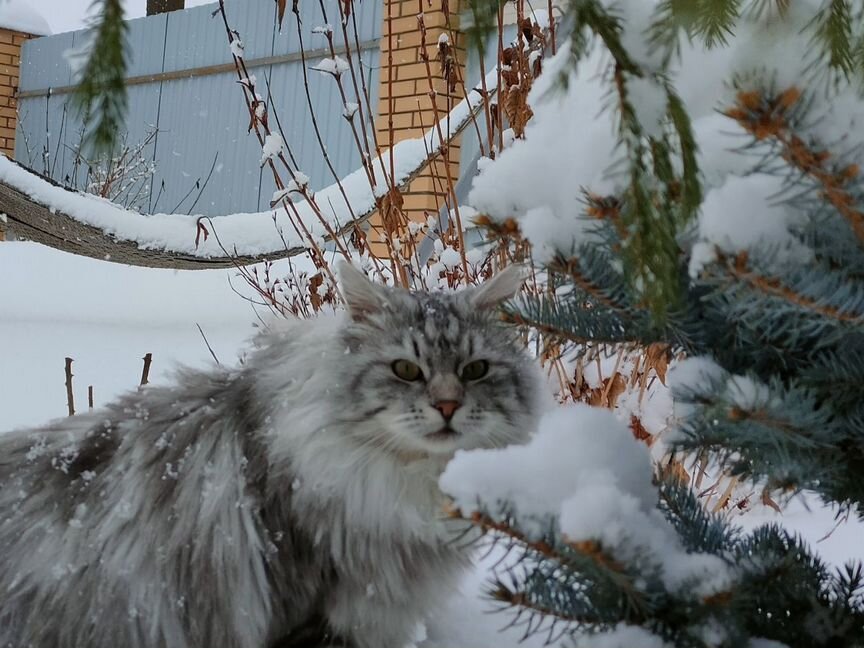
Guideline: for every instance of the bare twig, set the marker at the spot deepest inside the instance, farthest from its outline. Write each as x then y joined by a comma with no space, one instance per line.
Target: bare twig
209,348
145,373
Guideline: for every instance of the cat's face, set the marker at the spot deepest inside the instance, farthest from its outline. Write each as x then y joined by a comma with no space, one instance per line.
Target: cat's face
430,373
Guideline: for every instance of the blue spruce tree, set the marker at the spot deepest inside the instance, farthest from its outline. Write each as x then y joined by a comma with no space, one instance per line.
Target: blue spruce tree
791,325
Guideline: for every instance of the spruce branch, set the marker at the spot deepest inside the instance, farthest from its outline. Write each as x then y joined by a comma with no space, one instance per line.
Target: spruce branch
698,529
772,116
525,600
553,547
486,523
833,32
738,267
691,186
656,202
482,21
773,432
573,269
782,319
714,20
565,588
101,93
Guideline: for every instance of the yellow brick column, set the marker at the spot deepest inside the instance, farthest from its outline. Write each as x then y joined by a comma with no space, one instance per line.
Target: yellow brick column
10,65
404,95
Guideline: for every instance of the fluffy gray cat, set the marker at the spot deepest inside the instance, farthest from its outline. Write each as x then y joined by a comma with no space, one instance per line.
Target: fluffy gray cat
291,501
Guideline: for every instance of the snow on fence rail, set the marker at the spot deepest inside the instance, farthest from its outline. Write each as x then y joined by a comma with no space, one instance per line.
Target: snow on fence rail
181,81
46,212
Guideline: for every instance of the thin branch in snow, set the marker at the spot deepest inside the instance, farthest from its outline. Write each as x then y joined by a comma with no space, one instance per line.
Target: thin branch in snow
209,348
70,397
145,373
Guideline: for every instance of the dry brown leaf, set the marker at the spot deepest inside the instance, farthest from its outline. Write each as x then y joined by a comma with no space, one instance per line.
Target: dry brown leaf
280,4
254,118
723,502
767,501
639,431
517,109
315,282
674,469
537,30
537,67
527,30
200,230
607,394
390,207
448,64
613,391
657,358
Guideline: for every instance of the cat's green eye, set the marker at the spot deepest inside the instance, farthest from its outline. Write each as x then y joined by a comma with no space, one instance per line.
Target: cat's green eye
475,370
407,370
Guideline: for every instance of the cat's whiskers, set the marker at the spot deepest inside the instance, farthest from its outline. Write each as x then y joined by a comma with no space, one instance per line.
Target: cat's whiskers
372,445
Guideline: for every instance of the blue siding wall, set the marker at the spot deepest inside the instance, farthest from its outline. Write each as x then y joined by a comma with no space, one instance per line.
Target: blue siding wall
202,120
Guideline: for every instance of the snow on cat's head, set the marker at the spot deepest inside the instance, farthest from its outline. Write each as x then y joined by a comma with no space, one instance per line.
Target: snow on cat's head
436,372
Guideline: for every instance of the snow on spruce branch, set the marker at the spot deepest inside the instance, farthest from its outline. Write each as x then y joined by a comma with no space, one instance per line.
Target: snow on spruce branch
572,146
584,474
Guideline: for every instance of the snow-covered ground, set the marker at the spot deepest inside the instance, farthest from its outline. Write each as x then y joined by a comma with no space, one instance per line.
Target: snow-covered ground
105,317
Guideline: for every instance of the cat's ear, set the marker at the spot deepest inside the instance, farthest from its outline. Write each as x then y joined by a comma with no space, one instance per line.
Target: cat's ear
361,295
499,288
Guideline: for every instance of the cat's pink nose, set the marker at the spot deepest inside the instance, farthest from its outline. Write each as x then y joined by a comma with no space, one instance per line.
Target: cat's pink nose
447,408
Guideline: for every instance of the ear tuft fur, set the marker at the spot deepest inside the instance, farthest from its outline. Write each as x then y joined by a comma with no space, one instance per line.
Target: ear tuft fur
361,295
499,288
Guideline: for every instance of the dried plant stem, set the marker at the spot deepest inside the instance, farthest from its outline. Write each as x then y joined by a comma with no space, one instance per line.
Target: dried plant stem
390,99
365,153
611,381
561,374
249,97
445,149
487,111
70,396
366,97
452,34
314,118
702,462
727,494
498,109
